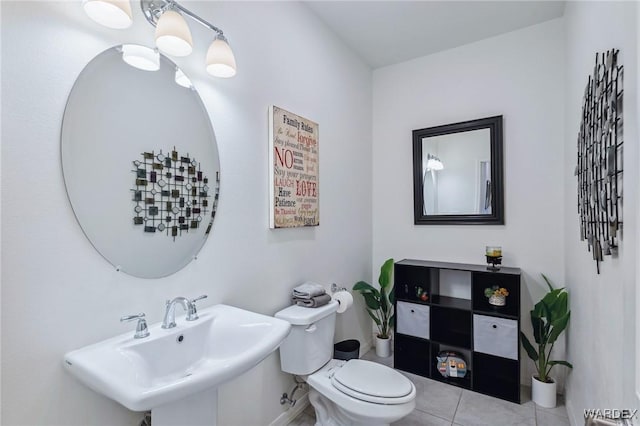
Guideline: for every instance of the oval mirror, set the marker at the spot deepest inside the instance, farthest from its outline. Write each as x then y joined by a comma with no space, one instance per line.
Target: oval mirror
140,161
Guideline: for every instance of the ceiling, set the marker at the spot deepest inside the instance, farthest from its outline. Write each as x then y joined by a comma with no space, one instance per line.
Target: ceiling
387,32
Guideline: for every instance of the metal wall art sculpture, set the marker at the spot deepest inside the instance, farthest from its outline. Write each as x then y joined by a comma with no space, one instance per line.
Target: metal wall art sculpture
171,194
599,168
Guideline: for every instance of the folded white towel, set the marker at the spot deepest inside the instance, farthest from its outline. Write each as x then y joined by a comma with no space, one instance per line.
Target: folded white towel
308,290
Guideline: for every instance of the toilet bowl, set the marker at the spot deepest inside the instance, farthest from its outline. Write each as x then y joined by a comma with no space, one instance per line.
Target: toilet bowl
343,393
358,392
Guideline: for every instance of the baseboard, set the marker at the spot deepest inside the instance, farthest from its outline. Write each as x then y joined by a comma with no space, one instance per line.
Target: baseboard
569,406
290,415
365,347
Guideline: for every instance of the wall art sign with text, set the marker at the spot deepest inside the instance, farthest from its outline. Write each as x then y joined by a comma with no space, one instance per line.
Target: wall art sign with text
293,170
599,168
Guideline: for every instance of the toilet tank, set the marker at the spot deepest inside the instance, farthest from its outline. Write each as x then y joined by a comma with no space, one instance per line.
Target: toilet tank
309,345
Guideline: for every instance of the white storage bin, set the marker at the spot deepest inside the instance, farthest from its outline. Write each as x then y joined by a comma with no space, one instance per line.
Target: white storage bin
495,336
412,319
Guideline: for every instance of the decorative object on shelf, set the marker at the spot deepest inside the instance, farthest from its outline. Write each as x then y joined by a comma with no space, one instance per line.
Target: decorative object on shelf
379,306
497,295
422,294
549,318
172,36
293,170
494,257
451,364
171,193
599,168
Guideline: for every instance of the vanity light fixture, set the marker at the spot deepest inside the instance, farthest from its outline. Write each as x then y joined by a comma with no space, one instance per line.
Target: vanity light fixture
434,163
173,35
114,14
141,57
182,79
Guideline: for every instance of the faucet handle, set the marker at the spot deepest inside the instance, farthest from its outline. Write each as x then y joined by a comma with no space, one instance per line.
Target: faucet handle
204,296
141,328
192,315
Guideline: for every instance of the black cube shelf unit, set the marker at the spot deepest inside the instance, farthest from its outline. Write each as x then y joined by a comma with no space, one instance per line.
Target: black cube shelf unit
458,317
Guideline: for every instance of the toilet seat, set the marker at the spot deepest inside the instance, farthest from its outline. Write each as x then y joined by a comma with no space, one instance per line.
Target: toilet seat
372,382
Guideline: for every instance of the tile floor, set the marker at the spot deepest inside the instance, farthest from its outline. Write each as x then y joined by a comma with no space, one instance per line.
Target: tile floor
439,404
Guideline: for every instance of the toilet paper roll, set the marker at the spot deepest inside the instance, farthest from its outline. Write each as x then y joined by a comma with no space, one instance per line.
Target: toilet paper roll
344,299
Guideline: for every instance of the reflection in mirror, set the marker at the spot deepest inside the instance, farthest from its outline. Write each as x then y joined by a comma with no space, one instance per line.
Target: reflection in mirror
454,181
461,186
140,161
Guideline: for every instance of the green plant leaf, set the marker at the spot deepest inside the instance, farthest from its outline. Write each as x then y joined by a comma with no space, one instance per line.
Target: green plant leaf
560,308
531,351
385,273
372,301
374,317
558,327
538,326
384,301
364,287
547,281
565,363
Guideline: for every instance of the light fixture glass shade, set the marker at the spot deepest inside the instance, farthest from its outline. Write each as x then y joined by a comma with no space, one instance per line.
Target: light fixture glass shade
182,79
173,35
110,13
141,57
434,163
220,59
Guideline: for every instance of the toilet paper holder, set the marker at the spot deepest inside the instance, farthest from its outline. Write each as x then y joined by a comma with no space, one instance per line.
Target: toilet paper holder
335,288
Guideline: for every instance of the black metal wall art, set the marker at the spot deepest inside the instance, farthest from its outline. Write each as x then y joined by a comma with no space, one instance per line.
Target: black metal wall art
171,194
599,168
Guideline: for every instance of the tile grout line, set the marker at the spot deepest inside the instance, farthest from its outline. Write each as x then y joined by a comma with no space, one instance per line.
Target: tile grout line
455,412
433,415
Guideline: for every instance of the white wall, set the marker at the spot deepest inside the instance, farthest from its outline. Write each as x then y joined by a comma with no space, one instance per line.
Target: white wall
603,311
59,294
517,75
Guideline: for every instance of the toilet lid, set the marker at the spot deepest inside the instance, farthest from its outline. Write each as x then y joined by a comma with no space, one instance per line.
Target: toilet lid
373,382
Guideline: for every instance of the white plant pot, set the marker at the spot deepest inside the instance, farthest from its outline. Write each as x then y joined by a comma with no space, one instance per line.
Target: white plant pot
383,347
543,394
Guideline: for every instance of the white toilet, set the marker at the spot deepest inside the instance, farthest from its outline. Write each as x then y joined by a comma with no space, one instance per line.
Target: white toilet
354,392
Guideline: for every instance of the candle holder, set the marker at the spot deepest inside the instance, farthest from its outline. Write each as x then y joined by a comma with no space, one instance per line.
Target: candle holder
494,257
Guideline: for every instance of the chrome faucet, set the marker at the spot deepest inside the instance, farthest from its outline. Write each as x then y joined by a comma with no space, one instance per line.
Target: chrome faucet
141,329
189,306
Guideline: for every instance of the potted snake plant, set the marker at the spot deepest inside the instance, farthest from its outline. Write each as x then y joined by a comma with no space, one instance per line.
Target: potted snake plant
549,318
379,306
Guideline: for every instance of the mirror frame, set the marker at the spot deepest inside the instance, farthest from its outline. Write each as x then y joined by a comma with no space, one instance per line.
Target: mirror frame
494,124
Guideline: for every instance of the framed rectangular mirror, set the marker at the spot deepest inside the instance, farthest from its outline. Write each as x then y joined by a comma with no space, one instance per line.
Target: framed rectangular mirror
457,173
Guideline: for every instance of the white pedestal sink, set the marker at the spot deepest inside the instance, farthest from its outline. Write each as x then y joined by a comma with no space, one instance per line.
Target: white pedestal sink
175,373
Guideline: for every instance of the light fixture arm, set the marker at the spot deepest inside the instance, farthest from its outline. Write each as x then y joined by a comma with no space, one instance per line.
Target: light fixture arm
153,9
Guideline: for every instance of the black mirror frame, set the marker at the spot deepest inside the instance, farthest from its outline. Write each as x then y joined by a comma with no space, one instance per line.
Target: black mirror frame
497,191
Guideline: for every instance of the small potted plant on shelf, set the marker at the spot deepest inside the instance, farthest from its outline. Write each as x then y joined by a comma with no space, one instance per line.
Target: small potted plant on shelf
497,295
549,318
379,306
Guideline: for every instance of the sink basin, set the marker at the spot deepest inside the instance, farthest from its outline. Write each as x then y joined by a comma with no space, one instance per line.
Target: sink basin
172,364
